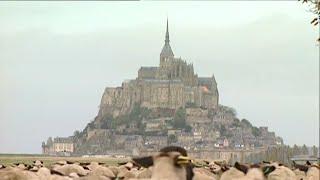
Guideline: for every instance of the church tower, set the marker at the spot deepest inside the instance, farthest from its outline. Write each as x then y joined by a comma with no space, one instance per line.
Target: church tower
166,58
166,50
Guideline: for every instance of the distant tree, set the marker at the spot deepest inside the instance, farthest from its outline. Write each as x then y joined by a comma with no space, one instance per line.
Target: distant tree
304,150
135,114
179,119
106,121
236,122
145,112
91,125
295,150
315,151
279,153
107,117
191,105
112,123
104,125
141,126
255,131
76,134
229,110
188,128
289,153
314,7
223,130
172,139
124,119
246,123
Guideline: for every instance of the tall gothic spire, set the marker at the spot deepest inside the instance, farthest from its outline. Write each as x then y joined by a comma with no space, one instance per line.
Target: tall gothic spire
166,50
167,34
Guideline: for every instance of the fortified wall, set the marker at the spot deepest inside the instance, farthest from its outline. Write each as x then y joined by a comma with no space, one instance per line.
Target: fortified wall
227,155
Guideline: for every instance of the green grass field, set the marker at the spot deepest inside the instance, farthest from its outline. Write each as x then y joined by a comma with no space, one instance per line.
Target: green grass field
10,159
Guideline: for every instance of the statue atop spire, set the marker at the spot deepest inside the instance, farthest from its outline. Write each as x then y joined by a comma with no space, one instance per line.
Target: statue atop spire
166,50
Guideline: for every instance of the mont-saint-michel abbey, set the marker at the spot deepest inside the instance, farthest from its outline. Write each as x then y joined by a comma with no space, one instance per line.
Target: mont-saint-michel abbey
166,105
171,85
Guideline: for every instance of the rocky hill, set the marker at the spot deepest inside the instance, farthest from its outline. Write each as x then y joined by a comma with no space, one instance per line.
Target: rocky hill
165,105
190,127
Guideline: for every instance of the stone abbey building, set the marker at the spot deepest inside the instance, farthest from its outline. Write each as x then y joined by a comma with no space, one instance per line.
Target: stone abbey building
171,85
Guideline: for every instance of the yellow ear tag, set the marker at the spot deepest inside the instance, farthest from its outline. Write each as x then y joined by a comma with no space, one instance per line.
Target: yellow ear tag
183,160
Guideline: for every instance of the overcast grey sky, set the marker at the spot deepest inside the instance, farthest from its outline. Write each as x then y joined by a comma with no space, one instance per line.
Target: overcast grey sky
56,58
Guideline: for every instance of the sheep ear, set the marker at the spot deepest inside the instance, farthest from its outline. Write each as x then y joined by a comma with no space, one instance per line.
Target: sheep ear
268,169
56,172
122,163
207,162
308,163
241,167
144,161
224,168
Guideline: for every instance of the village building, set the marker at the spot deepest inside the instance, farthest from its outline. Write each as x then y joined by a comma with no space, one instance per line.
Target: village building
221,142
155,142
133,142
173,132
58,146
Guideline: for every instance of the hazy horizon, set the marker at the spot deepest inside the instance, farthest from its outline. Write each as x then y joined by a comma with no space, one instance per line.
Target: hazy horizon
57,58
